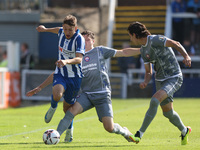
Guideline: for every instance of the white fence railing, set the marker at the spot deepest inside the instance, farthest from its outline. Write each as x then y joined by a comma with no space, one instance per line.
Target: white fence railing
33,78
193,58
13,54
139,73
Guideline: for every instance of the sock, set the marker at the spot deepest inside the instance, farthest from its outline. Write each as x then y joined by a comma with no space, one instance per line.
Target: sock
54,103
175,119
141,133
150,114
65,122
71,125
184,131
119,130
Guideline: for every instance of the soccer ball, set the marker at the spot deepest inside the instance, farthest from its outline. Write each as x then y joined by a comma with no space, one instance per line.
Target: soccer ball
51,137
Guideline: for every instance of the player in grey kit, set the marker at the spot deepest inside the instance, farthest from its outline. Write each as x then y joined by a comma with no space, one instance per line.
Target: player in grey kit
95,86
156,50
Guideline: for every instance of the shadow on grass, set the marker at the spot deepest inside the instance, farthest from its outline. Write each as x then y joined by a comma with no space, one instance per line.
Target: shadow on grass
25,143
83,146
63,145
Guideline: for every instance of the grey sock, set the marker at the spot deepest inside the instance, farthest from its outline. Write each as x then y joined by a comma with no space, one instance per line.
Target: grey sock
119,130
65,122
150,114
174,119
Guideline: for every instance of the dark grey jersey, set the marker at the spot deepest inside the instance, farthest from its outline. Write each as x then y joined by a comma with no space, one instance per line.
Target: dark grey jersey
163,58
95,71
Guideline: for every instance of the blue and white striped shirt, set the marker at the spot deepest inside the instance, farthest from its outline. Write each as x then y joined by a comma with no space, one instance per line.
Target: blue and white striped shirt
67,49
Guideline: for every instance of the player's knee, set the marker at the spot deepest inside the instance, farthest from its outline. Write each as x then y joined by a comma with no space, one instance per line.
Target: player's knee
154,102
57,96
168,114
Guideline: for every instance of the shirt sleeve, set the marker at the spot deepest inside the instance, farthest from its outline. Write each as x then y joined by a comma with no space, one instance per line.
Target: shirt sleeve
60,31
107,52
159,40
80,45
143,57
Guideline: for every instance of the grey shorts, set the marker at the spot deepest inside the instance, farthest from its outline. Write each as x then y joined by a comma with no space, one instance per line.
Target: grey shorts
101,101
170,86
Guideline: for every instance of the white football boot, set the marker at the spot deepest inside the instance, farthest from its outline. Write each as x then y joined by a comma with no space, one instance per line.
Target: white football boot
69,135
49,114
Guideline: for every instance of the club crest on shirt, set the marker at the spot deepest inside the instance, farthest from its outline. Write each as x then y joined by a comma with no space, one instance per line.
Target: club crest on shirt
87,59
78,96
161,38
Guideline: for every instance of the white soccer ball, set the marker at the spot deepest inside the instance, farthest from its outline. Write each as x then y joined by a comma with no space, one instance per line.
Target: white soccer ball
51,137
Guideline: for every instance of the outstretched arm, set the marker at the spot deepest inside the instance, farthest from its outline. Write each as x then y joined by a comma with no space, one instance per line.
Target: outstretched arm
181,49
127,52
42,28
48,81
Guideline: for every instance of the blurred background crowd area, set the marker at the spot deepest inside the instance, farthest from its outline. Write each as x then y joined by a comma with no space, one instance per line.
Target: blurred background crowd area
176,19
93,15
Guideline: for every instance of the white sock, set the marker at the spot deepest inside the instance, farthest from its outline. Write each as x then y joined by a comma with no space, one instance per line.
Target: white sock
119,130
183,132
141,133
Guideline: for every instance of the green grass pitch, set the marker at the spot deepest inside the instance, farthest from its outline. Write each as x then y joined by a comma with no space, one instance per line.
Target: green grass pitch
22,128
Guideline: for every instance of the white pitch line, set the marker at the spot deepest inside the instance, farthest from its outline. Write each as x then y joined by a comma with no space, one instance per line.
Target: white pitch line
49,127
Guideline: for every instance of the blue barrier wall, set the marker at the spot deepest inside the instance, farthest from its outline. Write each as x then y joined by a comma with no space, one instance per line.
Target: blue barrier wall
48,45
190,88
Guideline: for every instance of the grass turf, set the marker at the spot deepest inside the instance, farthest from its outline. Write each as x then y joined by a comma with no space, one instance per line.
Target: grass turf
22,128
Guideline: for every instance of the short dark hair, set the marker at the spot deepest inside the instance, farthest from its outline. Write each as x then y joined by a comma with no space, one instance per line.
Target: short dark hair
88,33
70,20
139,29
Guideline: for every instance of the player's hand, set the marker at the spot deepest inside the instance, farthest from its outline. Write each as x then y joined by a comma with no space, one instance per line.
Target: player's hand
187,61
34,91
143,85
41,28
61,63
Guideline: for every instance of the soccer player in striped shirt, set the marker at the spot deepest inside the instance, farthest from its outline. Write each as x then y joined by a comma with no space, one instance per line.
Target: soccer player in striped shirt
68,73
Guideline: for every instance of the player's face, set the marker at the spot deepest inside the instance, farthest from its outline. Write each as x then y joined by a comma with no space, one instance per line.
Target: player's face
133,39
88,42
69,31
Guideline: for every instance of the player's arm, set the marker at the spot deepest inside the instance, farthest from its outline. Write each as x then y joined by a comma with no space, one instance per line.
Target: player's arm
42,28
148,75
127,52
75,60
181,49
48,81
